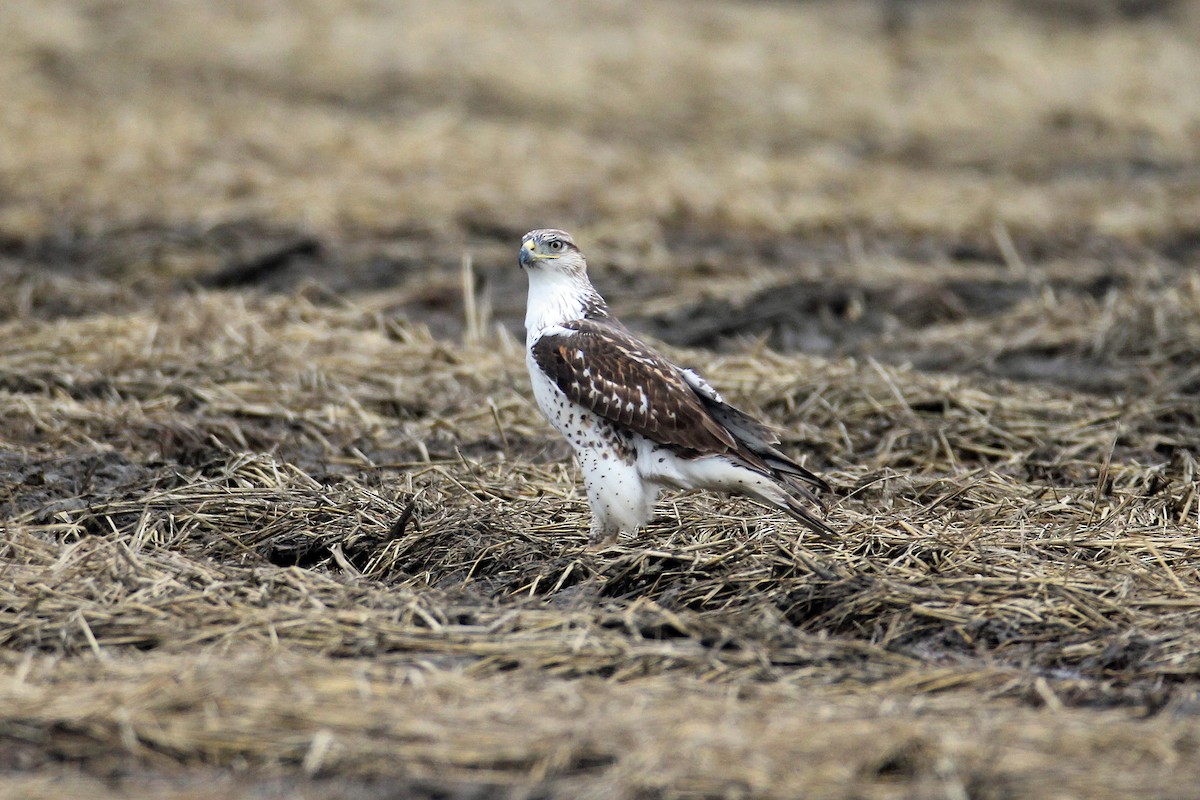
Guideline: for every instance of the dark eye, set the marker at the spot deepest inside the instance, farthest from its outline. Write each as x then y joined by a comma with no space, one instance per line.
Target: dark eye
556,245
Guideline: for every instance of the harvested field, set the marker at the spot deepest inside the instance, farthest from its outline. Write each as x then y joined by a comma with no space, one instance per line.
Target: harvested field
280,518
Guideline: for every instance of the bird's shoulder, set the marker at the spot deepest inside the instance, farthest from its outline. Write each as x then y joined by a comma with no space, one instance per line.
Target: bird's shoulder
599,335
602,349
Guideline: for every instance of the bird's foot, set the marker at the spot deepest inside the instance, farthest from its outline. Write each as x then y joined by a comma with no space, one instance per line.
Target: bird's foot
600,541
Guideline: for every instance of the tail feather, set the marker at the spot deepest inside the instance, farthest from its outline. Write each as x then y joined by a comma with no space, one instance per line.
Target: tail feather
791,497
791,470
800,512
755,437
789,503
793,487
793,483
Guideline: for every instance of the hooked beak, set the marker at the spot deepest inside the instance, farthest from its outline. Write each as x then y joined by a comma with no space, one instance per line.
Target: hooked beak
526,255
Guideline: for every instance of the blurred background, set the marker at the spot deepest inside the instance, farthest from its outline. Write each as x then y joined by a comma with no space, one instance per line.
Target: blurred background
856,177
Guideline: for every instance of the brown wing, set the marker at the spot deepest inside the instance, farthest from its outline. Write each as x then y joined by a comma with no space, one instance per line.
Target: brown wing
603,367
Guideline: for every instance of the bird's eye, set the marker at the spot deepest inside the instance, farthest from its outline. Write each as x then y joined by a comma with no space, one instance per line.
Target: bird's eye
555,245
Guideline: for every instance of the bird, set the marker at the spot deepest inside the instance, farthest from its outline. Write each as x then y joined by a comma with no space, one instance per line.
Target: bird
638,423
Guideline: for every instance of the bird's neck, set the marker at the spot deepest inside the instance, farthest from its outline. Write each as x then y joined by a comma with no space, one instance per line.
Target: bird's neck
555,298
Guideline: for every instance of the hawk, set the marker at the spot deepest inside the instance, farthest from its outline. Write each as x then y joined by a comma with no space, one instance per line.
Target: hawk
637,422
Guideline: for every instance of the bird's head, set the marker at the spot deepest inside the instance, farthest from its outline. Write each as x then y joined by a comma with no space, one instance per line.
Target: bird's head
551,250
559,289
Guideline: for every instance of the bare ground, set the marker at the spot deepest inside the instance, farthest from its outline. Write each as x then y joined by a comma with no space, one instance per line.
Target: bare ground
281,520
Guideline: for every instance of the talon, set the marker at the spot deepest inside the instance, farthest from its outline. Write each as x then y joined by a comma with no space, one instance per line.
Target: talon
600,542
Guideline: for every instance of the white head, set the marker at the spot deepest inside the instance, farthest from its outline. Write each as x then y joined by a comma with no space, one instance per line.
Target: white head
559,289
550,250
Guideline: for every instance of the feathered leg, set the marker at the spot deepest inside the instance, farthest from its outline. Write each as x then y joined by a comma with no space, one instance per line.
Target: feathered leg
620,500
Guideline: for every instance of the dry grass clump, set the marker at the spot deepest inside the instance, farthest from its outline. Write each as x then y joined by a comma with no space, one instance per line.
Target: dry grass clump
314,541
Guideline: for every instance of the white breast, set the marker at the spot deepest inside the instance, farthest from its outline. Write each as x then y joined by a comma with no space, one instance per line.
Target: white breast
566,417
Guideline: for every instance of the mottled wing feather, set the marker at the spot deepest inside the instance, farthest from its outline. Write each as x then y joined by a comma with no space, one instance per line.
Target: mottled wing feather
739,423
604,368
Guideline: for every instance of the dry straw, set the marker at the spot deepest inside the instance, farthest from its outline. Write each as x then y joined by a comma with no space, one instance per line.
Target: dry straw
380,517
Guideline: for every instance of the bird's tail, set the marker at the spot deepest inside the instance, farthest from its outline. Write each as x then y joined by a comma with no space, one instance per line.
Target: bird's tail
794,498
790,487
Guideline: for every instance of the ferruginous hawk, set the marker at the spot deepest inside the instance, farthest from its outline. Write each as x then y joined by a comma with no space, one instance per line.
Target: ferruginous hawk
637,422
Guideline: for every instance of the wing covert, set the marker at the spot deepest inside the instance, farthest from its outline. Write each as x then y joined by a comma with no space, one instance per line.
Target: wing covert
604,368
